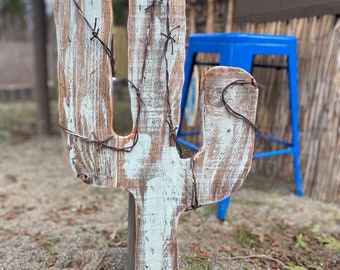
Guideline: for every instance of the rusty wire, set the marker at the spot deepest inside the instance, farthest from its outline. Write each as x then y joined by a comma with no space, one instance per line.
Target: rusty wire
96,140
232,111
172,130
194,198
169,38
259,133
101,143
95,31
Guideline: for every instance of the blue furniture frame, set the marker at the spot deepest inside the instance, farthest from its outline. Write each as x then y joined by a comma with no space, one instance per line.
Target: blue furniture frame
238,50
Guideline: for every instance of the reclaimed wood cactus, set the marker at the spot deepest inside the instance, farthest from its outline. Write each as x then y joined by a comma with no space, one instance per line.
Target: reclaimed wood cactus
146,162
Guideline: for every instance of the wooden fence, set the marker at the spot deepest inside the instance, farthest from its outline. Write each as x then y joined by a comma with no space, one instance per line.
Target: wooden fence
319,102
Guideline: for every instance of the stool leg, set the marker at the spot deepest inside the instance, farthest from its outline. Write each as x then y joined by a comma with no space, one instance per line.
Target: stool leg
222,208
188,68
294,106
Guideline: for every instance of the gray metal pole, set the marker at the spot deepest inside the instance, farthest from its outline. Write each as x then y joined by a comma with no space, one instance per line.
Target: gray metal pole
131,233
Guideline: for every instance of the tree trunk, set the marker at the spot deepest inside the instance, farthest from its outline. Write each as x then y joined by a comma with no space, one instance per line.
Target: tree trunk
39,37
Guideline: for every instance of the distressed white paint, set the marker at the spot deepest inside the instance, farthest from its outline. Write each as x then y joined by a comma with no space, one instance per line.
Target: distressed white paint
158,214
160,181
87,107
135,161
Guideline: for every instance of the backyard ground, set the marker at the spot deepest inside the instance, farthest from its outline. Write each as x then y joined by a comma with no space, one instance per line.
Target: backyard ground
51,220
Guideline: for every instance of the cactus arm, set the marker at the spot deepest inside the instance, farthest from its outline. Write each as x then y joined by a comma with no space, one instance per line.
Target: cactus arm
156,35
84,70
225,158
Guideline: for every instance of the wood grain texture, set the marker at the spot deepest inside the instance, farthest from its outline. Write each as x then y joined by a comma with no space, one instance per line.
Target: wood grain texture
84,81
162,183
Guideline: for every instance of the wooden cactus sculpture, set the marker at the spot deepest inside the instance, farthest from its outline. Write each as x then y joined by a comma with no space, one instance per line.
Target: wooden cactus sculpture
146,163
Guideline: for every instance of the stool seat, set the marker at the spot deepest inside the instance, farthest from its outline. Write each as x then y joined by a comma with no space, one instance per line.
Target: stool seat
238,50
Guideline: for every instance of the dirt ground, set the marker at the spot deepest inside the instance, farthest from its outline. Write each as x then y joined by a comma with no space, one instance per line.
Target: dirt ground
51,220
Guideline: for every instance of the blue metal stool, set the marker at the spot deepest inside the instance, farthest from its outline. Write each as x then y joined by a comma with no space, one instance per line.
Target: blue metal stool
238,50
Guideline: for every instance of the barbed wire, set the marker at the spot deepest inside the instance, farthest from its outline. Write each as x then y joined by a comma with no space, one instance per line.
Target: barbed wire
95,32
